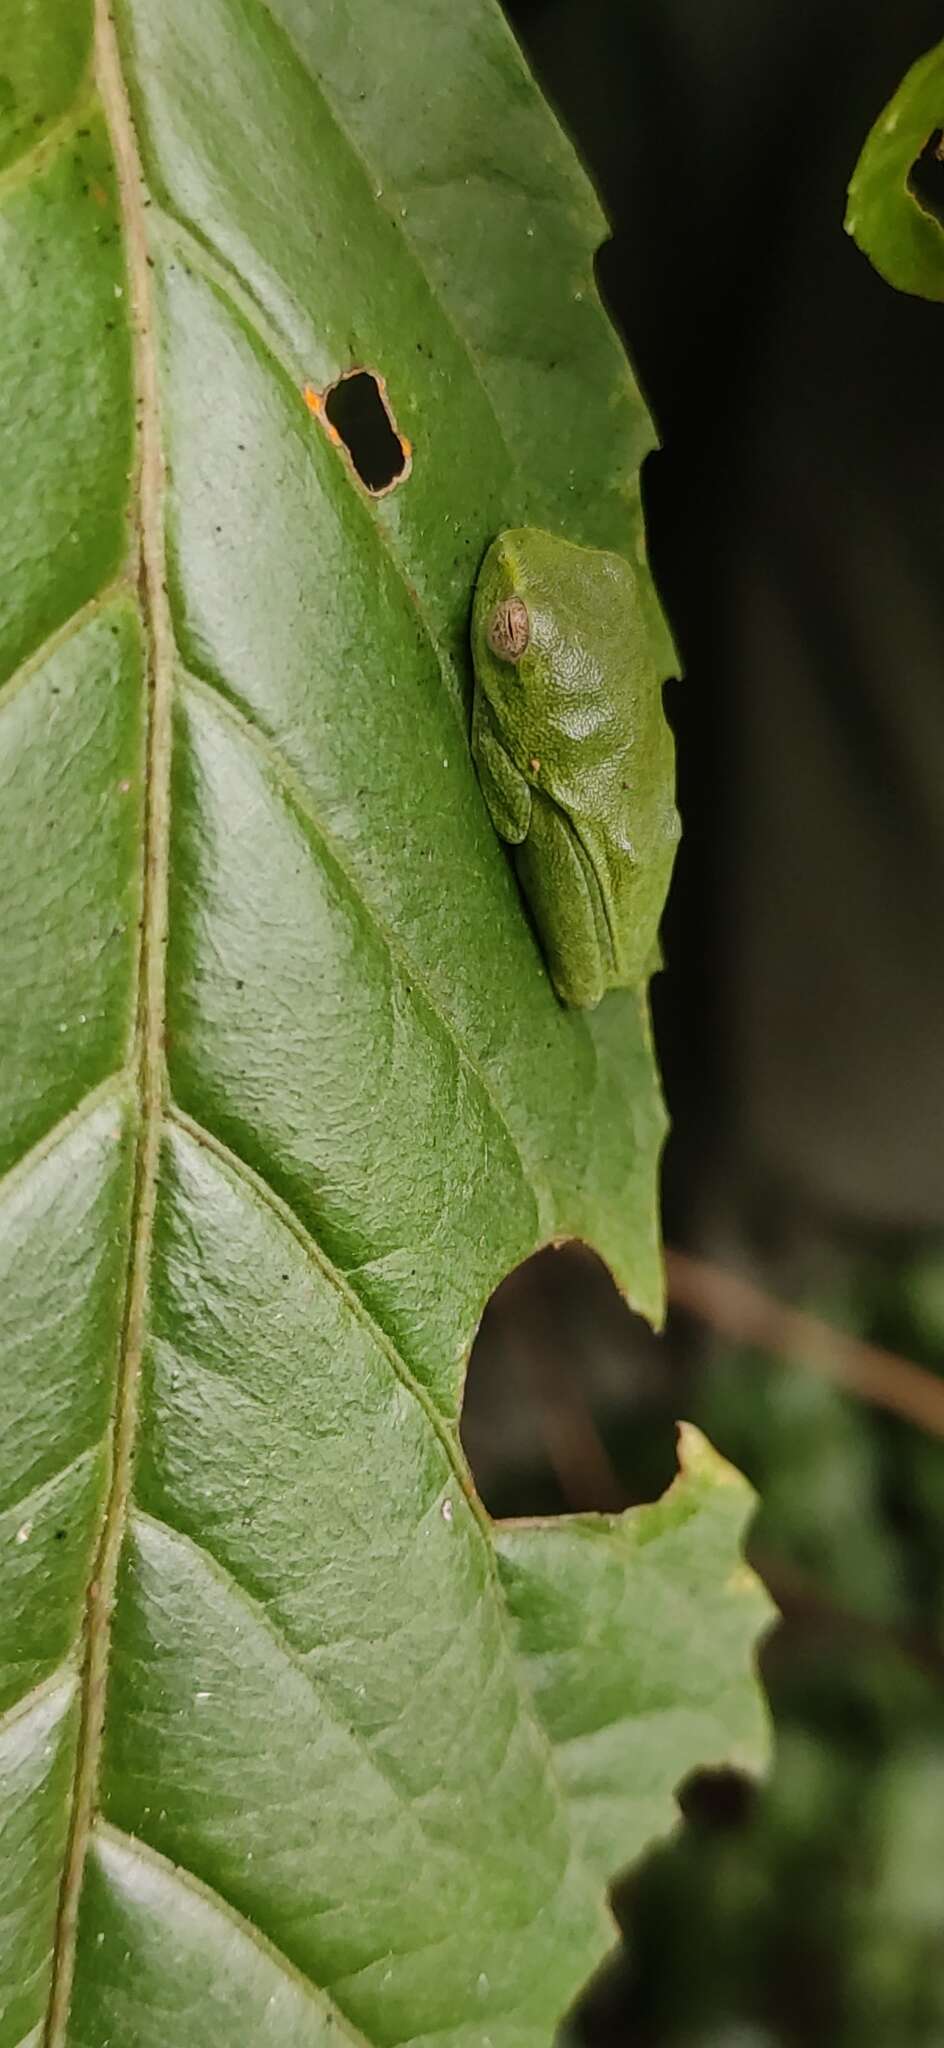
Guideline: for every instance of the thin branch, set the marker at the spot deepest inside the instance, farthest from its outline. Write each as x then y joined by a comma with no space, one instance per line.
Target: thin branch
737,1309
804,1604
575,1450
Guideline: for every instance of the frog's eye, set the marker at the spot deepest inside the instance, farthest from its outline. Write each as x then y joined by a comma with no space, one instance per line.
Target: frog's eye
509,629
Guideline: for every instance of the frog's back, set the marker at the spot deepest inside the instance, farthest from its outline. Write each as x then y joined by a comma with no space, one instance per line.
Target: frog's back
591,640
622,793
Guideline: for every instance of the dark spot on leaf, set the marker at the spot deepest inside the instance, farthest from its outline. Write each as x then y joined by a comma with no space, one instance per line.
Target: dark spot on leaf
359,417
926,177
60,1535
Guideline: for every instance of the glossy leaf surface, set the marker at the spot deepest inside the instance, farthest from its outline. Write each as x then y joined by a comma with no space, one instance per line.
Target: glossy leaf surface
285,1090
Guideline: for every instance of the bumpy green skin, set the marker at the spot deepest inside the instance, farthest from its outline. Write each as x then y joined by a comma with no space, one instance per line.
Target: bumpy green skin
575,757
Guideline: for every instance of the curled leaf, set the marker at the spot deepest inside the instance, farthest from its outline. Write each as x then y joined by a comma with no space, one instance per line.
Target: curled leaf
896,195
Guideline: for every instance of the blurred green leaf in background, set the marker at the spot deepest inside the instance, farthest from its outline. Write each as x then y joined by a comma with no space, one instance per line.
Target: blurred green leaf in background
896,197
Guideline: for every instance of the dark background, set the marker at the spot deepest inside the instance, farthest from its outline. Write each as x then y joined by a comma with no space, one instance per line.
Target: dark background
796,520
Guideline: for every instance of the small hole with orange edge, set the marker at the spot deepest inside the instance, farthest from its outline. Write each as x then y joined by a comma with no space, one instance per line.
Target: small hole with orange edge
356,415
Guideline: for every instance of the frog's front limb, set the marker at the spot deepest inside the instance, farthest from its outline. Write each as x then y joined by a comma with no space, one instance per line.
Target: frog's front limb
506,792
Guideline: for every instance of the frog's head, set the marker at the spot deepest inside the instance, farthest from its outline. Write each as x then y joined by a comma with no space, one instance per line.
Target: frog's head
559,644
516,622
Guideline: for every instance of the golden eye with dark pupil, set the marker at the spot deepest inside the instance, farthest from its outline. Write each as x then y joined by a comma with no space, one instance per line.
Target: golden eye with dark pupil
509,629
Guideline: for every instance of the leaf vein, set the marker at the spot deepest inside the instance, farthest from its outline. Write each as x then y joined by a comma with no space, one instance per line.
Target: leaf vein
63,1679
310,1245
357,153
260,1616
31,162
35,1494
172,1873
32,664
236,294
19,1169
147,527
295,790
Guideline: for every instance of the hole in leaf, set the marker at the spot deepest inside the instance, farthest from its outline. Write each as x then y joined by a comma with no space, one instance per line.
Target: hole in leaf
926,177
356,409
718,1800
569,1402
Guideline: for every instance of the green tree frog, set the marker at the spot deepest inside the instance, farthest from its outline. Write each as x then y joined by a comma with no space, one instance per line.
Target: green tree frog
574,754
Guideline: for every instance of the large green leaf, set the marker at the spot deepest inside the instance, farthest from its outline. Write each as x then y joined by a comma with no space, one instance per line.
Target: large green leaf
892,210
285,1090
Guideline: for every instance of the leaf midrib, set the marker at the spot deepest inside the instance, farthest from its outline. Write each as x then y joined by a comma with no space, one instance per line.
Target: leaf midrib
147,527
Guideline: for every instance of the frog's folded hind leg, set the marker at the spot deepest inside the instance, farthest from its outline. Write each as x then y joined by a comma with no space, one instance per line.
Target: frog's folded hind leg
562,891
